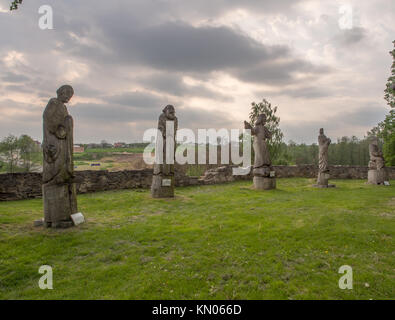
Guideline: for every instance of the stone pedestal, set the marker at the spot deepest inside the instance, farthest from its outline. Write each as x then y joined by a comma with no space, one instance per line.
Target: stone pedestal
162,186
377,177
264,178
60,202
322,181
264,183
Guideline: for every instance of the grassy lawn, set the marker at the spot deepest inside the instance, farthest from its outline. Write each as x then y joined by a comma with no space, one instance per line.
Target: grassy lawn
211,242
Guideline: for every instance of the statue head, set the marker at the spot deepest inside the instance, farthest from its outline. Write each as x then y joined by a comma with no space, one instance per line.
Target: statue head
65,93
322,131
261,120
170,112
374,140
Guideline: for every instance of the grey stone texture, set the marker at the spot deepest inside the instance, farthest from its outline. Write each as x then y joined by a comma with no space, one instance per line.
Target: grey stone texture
262,163
323,167
20,186
59,190
163,181
377,171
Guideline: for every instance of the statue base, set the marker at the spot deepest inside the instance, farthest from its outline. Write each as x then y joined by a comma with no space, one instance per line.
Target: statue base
322,181
60,202
162,186
377,177
264,183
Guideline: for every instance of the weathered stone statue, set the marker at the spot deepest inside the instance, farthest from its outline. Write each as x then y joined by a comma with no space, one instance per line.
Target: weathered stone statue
59,191
377,173
323,170
163,178
264,176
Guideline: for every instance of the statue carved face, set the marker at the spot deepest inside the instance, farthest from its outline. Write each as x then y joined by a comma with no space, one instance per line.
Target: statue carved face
261,119
321,131
65,93
170,112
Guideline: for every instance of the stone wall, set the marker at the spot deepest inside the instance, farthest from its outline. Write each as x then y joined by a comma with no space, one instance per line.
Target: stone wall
20,186
224,174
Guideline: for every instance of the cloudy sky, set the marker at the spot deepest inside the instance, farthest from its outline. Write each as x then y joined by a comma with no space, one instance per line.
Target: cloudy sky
209,58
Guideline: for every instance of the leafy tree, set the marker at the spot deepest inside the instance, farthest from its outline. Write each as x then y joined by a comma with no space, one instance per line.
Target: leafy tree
388,135
273,124
29,152
14,5
387,127
9,152
390,87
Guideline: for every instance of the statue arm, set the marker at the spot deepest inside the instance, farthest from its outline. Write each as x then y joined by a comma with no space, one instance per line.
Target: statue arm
375,152
55,120
247,126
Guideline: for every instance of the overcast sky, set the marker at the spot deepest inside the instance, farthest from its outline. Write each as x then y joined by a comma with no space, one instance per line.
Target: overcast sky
127,59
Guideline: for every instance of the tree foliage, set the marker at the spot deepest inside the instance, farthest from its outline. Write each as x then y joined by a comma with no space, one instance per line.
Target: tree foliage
390,87
387,127
388,136
19,154
15,4
273,124
9,152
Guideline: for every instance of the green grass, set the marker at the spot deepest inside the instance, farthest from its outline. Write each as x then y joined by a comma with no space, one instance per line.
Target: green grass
210,242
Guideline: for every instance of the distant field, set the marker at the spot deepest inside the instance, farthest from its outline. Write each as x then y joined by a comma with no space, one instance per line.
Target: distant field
110,161
115,150
210,242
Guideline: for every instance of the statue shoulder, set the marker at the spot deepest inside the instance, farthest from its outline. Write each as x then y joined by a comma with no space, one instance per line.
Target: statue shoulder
162,117
53,105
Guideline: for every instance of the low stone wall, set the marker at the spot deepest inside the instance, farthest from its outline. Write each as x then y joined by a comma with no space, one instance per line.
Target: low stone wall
224,174
20,186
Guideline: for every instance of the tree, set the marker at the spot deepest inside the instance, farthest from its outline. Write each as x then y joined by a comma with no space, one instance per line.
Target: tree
388,135
29,152
387,127
9,150
14,5
273,124
390,87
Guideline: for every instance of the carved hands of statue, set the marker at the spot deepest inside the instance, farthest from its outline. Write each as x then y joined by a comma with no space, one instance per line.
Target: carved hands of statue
377,154
61,132
50,152
247,126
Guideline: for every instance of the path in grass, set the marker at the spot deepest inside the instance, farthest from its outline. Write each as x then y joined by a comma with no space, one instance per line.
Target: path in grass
211,242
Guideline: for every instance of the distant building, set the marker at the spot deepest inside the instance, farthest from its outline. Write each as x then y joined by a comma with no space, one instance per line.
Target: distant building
38,143
119,145
78,149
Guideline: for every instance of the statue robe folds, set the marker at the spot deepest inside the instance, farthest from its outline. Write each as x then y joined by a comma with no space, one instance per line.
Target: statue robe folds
376,157
324,143
261,149
264,176
377,173
167,138
59,191
323,168
163,179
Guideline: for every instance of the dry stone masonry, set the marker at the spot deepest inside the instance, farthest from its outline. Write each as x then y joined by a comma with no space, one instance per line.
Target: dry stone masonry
20,186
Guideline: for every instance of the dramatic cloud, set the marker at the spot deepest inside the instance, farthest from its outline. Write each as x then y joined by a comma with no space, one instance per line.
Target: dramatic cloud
128,59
